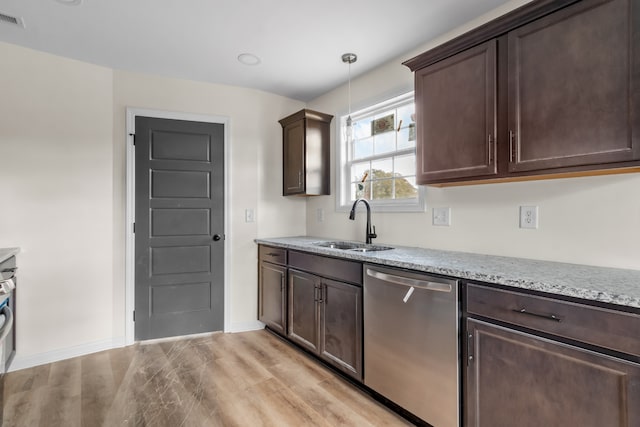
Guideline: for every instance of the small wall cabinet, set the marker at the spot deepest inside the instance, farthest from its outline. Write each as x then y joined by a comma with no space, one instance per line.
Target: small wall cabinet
550,88
306,140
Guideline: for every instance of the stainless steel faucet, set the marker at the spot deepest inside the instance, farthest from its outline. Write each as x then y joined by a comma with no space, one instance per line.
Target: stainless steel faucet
370,231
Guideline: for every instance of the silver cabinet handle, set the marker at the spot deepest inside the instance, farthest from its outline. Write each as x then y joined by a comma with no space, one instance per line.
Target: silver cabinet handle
405,281
512,147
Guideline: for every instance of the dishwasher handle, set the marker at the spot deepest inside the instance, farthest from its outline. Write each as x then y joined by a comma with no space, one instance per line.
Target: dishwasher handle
406,281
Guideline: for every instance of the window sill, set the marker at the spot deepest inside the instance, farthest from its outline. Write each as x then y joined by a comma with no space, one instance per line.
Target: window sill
386,207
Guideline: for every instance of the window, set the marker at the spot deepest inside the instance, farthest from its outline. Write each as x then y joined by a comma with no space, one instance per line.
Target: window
380,162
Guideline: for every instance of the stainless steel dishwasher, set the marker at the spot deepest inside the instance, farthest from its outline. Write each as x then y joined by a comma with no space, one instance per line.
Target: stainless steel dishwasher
411,342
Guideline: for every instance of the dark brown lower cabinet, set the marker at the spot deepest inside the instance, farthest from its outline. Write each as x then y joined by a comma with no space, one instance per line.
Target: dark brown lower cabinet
515,378
325,317
303,310
272,300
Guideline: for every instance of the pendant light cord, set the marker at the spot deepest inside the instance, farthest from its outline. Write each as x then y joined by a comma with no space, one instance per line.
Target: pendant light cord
349,89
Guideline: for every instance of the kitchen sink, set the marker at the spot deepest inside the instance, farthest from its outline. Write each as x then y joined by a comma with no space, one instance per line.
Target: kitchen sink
372,248
352,246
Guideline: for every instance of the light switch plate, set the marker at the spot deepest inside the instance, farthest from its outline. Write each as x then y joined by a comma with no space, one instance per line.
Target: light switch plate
528,217
319,215
441,216
249,215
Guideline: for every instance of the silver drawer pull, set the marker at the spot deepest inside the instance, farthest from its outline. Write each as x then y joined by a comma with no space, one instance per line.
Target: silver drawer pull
523,310
273,254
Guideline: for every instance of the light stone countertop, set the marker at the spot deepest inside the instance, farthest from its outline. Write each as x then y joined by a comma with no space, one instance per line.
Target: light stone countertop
608,285
6,253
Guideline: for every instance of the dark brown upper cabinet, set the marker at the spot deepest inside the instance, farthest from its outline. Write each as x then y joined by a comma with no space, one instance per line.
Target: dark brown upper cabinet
570,81
562,79
457,117
305,137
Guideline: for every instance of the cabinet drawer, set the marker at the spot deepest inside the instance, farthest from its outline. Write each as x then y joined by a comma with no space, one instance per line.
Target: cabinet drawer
347,271
274,255
615,330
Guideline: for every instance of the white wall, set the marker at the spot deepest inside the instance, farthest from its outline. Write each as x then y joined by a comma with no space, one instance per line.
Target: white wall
56,167
62,152
591,220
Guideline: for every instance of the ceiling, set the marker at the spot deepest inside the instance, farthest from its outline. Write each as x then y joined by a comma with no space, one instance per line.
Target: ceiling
299,42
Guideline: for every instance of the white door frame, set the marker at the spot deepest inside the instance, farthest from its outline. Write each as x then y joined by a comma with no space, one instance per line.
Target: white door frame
130,209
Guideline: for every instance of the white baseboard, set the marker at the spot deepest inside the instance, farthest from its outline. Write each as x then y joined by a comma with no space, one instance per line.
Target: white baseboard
254,325
23,362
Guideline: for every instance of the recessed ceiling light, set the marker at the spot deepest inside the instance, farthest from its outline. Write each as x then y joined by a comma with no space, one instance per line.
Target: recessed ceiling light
249,59
70,2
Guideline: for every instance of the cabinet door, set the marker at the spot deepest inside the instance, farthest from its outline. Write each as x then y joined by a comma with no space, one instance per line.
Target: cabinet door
456,116
574,89
272,296
341,326
293,158
515,378
303,290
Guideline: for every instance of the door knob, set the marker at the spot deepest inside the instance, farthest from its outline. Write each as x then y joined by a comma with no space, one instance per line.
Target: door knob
216,237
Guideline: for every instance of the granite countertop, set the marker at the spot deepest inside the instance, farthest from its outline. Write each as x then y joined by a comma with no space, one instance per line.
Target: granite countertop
6,253
608,285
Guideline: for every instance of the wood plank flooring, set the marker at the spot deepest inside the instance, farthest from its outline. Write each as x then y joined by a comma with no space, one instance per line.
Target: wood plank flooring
243,379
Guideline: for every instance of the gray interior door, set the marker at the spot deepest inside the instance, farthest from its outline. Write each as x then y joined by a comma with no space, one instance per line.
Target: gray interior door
179,215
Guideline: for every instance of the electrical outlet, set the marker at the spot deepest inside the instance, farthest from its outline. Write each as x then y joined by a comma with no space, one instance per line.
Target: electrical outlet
441,216
320,215
528,217
249,215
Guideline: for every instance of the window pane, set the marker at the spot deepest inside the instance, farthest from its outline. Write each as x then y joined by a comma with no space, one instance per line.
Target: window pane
405,165
407,137
404,114
362,148
385,142
362,128
360,189
385,113
358,170
382,169
382,189
406,188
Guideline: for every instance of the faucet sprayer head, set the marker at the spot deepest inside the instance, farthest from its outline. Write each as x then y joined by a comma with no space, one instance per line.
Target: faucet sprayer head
352,215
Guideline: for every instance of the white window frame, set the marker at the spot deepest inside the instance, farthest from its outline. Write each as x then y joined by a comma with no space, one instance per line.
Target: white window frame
343,181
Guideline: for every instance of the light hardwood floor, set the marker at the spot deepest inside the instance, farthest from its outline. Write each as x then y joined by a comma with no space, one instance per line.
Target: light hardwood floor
244,379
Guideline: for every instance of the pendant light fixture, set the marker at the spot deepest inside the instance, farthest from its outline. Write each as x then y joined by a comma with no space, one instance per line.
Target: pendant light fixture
349,58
